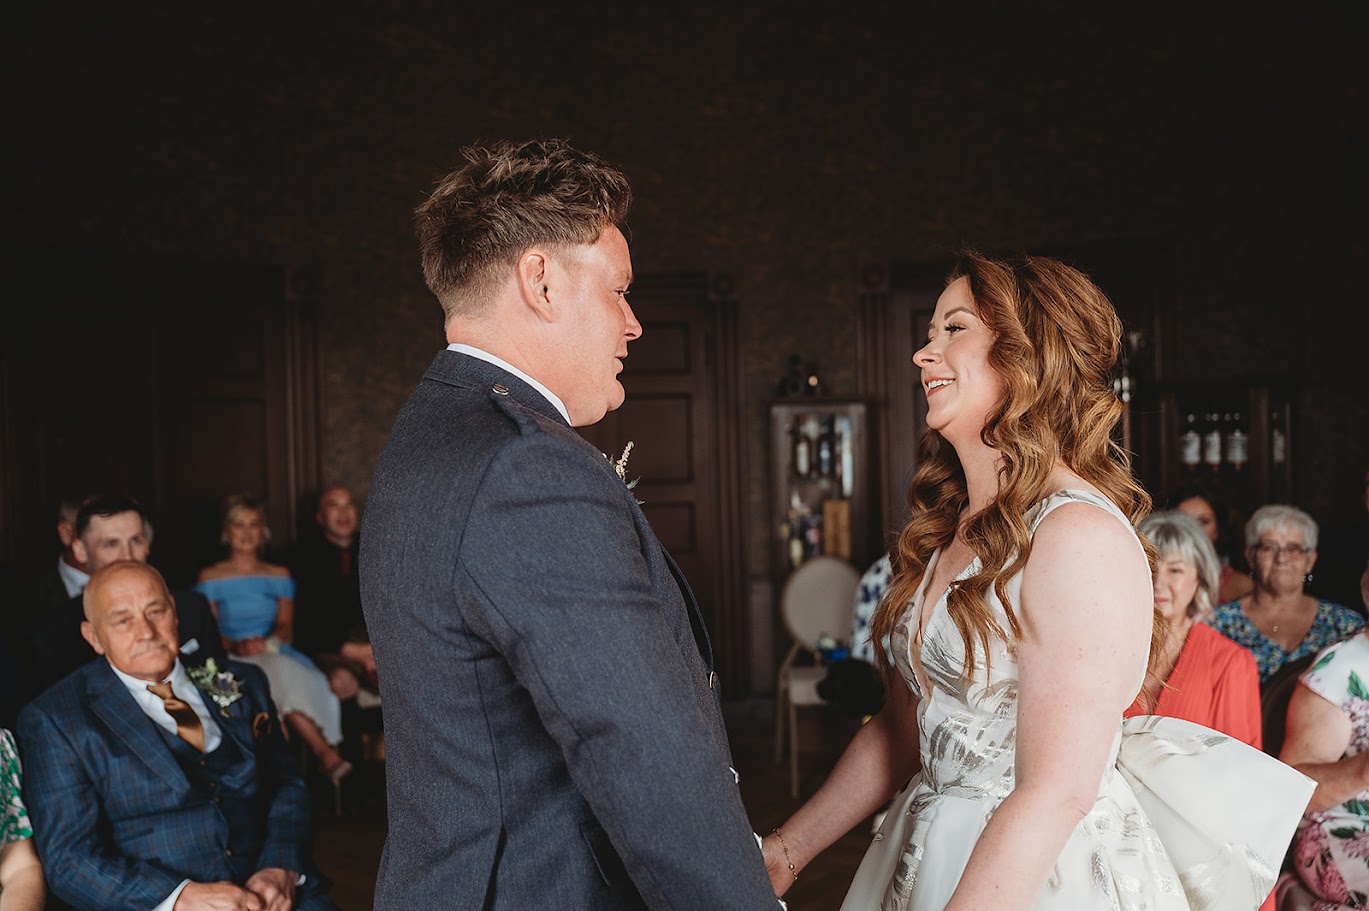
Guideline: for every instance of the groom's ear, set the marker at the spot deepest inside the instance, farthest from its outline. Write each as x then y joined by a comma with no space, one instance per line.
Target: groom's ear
533,273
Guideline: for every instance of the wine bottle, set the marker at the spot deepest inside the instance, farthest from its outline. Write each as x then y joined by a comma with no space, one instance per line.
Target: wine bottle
1190,444
1212,442
827,447
801,447
1237,444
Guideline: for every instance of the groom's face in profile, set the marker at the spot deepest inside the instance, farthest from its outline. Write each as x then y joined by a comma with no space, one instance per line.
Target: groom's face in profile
588,288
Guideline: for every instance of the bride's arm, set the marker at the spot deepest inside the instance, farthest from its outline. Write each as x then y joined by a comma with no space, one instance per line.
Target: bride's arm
879,760
1086,614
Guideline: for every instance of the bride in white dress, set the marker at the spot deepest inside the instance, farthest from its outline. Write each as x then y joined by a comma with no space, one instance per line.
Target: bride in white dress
1019,624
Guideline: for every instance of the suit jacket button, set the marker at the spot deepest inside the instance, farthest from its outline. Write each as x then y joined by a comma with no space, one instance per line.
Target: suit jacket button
500,389
712,680
227,852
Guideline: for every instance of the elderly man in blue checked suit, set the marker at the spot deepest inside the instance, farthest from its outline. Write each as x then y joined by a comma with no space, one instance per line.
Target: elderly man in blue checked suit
150,790
553,736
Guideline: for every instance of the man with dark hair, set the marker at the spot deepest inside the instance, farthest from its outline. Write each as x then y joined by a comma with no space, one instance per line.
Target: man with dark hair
553,733
154,787
109,528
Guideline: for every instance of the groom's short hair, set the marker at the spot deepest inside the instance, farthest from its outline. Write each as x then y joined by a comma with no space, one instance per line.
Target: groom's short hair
506,197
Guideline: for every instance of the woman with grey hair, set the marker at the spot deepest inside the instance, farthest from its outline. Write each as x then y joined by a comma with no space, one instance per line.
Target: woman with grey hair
1278,621
1200,675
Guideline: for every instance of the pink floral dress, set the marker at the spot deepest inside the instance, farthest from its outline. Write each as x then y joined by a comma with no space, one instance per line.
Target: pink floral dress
1331,848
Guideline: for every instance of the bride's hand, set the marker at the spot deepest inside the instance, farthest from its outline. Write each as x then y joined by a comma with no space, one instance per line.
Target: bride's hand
776,864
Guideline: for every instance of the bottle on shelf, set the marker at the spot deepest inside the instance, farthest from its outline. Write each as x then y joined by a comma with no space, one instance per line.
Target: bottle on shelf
1190,444
1278,438
1212,442
795,530
1237,444
800,449
827,447
848,457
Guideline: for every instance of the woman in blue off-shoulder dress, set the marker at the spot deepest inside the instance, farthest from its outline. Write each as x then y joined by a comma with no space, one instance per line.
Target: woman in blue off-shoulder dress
1020,624
254,603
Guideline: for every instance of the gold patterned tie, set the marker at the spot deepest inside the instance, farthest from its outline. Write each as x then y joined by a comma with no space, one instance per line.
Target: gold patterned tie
188,726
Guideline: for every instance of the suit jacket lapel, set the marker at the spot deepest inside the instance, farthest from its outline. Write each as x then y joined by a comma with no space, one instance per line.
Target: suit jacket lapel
115,706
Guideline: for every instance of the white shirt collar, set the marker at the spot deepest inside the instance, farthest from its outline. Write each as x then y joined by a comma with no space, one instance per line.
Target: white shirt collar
137,685
505,365
73,580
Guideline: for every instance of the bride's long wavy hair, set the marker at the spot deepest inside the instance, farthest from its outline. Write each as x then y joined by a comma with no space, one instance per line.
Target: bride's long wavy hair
1056,339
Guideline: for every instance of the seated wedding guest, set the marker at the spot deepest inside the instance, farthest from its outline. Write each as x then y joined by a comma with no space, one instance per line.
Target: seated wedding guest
254,603
108,528
1209,507
152,787
1328,740
1200,675
45,593
21,875
329,624
1278,621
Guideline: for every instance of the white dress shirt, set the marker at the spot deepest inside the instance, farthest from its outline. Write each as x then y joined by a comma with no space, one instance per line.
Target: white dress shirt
73,580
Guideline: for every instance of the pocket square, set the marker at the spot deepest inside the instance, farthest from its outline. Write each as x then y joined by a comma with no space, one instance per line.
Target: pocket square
191,647
261,725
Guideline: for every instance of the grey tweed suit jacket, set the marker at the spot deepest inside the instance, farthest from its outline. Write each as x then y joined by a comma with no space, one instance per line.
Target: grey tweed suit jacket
553,736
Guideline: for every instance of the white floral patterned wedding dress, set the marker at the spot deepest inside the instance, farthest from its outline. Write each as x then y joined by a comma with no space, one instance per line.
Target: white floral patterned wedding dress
1185,817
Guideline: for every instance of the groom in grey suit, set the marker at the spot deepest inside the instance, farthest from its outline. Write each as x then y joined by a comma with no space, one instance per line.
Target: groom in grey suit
553,734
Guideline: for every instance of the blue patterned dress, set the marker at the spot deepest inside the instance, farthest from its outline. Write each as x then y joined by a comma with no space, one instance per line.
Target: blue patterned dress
1332,624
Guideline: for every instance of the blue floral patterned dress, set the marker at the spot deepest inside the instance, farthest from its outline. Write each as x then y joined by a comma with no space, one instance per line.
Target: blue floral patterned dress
1332,624
1331,847
14,822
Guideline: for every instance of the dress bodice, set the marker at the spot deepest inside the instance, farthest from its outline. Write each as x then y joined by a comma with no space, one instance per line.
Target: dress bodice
247,604
968,723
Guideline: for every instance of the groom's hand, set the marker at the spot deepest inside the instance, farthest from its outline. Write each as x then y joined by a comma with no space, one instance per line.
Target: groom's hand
781,878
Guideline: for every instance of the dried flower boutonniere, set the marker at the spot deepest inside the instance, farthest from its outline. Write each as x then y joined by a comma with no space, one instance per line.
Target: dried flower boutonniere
220,686
620,467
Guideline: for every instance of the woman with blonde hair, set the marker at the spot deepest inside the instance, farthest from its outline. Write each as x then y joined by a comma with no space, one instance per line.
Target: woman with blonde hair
253,600
1021,622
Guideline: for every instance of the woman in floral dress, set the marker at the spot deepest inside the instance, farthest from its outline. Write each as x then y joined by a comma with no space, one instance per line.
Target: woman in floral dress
21,876
1328,739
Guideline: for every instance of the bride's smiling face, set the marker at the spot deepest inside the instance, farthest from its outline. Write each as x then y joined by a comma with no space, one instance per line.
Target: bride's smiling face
961,385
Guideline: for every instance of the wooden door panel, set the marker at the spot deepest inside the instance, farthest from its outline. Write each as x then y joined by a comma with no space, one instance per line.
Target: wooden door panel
167,382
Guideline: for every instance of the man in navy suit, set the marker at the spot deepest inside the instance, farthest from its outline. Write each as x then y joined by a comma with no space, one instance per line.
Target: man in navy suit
553,733
180,799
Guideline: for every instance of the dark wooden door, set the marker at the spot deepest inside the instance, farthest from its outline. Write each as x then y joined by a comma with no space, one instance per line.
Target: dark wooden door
681,416
176,384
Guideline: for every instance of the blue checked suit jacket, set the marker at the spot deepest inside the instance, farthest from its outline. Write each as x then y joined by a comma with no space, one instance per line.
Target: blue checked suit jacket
553,736
116,822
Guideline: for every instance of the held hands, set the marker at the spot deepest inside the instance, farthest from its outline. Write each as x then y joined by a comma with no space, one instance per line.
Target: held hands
253,645
275,887
217,897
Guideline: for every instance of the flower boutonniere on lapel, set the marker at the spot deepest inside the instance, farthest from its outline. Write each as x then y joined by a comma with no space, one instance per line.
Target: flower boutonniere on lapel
620,468
220,686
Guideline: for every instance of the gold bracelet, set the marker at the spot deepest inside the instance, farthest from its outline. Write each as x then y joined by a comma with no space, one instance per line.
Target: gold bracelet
785,847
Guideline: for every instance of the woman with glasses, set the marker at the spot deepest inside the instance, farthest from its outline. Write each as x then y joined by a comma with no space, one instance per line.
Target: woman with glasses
1278,621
